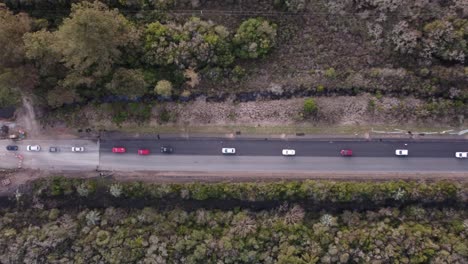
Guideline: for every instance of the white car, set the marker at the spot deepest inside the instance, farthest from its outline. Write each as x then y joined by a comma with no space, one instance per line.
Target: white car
461,155
78,149
33,148
401,152
289,152
228,150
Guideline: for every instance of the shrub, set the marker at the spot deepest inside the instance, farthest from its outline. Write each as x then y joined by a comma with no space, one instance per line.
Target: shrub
164,116
446,39
371,105
310,107
238,73
254,38
320,88
295,5
195,44
404,38
115,190
93,217
120,117
163,88
330,73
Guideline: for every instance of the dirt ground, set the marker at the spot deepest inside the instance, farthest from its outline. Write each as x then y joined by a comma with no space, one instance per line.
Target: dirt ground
336,110
339,110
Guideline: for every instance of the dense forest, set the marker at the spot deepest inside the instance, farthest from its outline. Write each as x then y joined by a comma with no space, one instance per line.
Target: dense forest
59,220
124,57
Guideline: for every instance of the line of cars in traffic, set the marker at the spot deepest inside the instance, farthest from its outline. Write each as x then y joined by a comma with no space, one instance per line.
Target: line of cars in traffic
37,148
284,152
225,151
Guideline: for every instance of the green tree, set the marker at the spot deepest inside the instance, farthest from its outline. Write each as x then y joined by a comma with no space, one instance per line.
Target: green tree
310,107
254,38
195,44
127,82
163,88
92,39
39,48
12,29
446,39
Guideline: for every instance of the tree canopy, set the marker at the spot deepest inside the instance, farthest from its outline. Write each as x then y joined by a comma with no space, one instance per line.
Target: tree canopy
92,39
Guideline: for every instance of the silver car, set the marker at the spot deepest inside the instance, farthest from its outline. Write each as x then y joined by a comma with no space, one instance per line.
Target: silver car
33,148
228,151
288,152
78,149
401,152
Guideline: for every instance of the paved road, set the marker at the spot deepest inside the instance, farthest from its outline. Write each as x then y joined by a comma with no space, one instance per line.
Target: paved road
304,148
256,155
65,159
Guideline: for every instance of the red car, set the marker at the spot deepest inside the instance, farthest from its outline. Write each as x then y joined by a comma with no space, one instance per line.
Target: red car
118,150
143,152
346,152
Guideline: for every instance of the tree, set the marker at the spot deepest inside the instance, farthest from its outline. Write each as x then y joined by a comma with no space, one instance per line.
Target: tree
12,29
127,82
195,44
310,108
446,40
39,48
254,38
163,88
91,40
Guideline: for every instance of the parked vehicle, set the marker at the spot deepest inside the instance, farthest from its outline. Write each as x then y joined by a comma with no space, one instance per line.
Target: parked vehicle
228,151
346,153
118,150
461,155
78,149
53,149
167,149
12,148
33,148
143,152
401,152
289,152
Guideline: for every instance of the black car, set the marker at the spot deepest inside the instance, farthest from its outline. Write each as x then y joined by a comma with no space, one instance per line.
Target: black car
12,148
53,149
166,149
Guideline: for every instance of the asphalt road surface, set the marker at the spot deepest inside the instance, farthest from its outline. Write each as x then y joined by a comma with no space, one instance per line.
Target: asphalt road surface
304,148
64,159
255,155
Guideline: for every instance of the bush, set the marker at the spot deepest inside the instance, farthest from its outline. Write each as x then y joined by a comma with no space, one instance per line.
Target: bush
195,44
163,88
330,73
309,190
164,116
254,38
446,39
310,107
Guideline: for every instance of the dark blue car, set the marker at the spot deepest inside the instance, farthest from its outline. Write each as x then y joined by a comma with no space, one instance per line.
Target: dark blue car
12,148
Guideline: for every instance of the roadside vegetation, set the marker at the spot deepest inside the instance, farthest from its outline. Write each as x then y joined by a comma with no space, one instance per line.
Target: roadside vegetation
75,56
91,221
